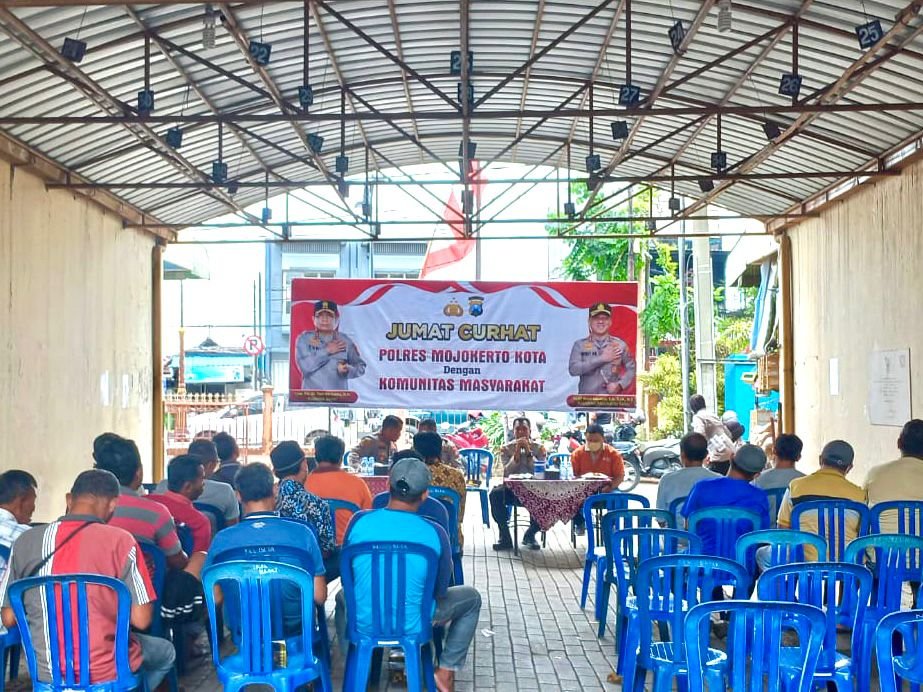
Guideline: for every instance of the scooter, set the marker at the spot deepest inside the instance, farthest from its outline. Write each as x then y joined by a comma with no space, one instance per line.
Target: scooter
660,458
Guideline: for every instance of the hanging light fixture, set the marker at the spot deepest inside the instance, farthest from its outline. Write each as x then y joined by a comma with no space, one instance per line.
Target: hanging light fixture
208,28
724,15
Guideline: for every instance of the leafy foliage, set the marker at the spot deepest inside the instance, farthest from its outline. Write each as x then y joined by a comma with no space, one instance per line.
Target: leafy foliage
601,259
660,318
665,379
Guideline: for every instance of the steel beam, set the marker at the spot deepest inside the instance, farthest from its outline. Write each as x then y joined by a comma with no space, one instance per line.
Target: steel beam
385,52
383,116
398,47
852,76
243,44
94,92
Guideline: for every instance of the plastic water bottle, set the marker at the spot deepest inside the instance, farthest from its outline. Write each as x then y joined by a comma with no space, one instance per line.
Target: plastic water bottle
567,470
366,466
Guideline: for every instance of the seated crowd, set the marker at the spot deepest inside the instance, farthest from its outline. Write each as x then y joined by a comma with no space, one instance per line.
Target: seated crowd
210,509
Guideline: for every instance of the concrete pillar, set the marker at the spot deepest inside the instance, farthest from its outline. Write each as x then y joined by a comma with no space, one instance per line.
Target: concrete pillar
704,310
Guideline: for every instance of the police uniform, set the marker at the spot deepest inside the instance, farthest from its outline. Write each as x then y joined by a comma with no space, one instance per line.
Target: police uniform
595,372
320,369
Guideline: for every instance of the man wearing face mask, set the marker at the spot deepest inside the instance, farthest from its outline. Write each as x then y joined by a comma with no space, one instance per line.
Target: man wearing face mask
518,456
326,357
596,457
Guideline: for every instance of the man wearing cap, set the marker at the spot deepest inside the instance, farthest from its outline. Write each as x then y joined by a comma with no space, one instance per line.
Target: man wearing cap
518,456
828,482
602,361
733,490
291,468
457,606
326,357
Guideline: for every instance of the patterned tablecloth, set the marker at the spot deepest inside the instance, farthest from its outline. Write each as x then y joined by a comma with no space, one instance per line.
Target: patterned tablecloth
552,501
377,484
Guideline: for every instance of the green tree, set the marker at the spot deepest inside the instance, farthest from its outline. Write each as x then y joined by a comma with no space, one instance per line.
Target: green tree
660,318
601,259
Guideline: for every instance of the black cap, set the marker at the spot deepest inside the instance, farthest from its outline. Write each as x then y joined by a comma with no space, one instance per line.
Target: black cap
838,453
600,309
327,305
286,457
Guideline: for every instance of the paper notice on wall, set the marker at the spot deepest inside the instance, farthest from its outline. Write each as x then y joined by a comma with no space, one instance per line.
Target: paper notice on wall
889,388
834,377
104,398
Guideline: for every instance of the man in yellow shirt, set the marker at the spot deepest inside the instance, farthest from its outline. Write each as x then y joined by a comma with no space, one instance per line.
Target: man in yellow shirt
827,483
901,479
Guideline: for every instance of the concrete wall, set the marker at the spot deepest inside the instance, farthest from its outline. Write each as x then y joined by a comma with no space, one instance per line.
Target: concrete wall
75,333
857,285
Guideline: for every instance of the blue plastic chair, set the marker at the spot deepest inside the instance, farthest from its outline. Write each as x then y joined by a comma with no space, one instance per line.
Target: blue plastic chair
753,662
775,495
231,608
785,547
842,591
728,524
832,516
390,563
253,663
185,538
898,560
595,558
214,515
478,481
344,505
64,599
626,550
674,508
642,518
666,588
905,628
452,502
9,639
907,515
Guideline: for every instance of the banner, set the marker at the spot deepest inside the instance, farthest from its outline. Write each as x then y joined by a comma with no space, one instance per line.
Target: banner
464,345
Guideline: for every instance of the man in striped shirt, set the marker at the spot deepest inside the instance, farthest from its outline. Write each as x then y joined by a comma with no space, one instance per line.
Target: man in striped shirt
81,542
142,517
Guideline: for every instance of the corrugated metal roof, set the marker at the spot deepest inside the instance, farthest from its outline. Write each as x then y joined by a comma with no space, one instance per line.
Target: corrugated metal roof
423,32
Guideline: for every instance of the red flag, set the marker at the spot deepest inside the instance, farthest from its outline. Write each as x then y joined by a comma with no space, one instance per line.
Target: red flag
442,253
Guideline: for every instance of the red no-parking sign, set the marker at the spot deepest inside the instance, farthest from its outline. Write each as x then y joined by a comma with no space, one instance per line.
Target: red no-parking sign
253,345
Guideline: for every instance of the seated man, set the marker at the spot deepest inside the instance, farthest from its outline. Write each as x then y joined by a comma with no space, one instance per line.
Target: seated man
829,481
900,479
693,452
219,494
449,454
82,542
185,483
264,535
595,456
290,465
429,445
17,504
786,452
228,455
331,482
142,517
381,445
459,606
733,490
518,456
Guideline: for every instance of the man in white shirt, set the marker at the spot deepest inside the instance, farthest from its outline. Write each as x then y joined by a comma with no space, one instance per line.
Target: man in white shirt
715,430
17,504
693,451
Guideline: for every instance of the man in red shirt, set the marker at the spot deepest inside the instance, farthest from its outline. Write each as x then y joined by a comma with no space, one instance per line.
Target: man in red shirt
185,483
595,456
143,518
81,542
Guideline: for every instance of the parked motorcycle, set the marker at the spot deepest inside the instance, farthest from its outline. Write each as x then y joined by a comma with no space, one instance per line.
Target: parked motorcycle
467,437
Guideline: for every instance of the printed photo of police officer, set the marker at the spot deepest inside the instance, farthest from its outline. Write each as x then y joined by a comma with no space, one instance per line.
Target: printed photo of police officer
601,361
326,357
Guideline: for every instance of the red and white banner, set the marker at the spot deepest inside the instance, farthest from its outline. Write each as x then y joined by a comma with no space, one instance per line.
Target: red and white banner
464,345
